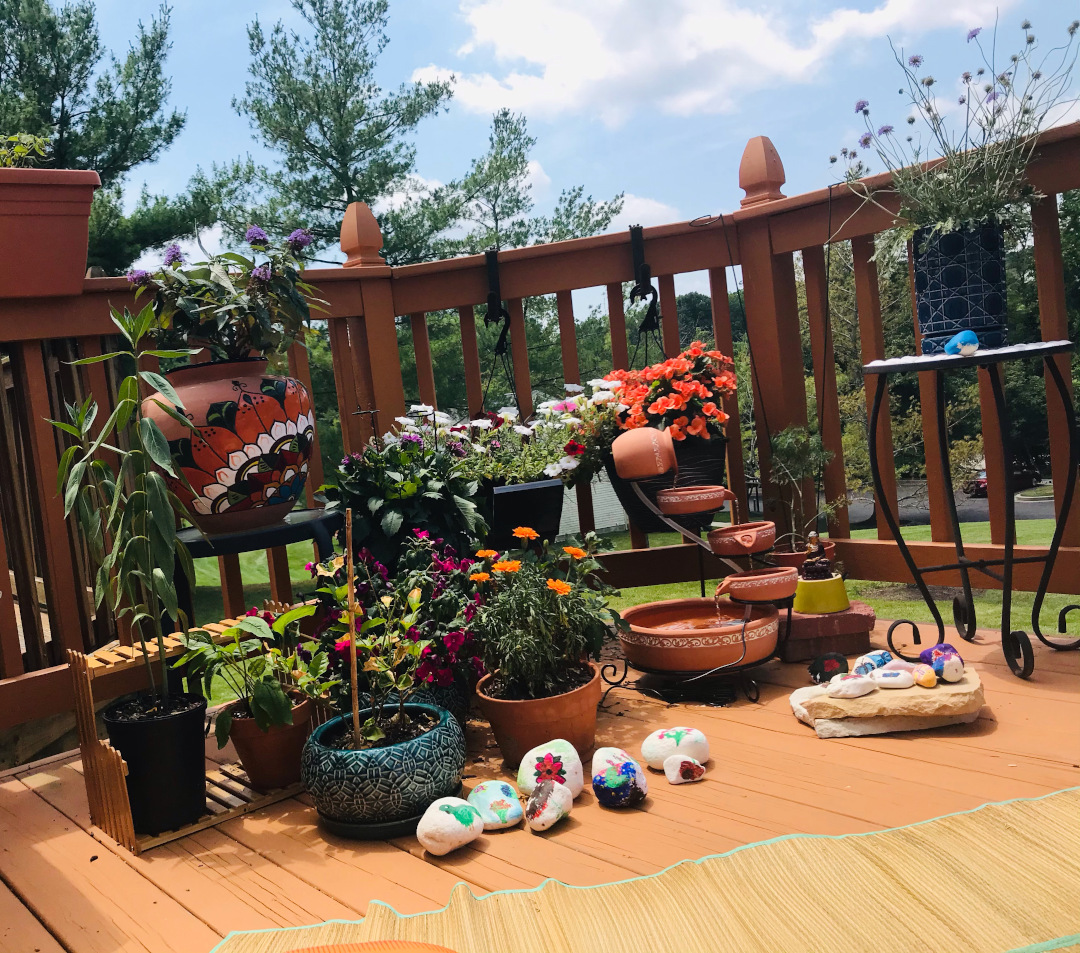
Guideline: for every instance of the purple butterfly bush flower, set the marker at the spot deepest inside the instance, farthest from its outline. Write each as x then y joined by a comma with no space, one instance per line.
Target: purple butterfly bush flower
865,139
138,278
861,106
299,240
915,61
974,33
262,273
256,236
173,256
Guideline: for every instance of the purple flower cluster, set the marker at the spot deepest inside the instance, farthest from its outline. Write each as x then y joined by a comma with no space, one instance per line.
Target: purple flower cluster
865,139
138,278
915,61
862,106
413,438
262,273
298,240
256,236
885,131
173,256
973,33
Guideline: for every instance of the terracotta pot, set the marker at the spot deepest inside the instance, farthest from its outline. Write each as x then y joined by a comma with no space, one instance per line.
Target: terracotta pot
760,585
786,556
742,538
249,460
521,725
272,758
692,499
696,635
643,453
44,231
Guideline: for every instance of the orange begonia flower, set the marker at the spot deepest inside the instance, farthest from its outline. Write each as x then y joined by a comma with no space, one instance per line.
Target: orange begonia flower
698,428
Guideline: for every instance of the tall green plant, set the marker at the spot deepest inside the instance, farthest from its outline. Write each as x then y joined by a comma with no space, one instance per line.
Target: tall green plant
797,461
125,511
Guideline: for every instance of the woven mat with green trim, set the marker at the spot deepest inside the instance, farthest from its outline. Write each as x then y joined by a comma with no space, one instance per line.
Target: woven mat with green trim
1004,877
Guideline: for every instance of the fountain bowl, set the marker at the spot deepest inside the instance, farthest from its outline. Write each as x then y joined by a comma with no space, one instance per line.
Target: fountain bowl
697,635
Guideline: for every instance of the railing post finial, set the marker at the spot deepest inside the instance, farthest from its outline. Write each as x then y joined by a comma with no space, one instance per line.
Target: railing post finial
761,173
361,239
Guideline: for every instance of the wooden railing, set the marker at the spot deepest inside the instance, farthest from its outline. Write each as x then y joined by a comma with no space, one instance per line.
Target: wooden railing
366,299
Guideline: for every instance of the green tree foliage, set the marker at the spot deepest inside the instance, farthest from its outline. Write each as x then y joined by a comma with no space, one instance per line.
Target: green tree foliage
98,110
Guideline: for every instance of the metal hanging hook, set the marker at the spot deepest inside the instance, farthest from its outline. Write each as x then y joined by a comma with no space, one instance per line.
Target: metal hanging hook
495,310
643,288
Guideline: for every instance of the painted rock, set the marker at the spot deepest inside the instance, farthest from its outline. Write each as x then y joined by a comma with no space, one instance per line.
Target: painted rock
498,804
661,745
945,661
621,785
865,664
681,770
557,762
892,678
449,823
924,675
898,665
851,686
608,757
826,666
548,804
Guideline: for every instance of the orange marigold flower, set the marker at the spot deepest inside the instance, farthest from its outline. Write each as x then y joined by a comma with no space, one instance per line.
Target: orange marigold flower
526,532
507,565
557,585
480,576
576,551
487,553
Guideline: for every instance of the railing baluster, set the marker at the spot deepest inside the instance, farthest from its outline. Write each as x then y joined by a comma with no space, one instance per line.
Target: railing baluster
232,586
363,389
11,660
277,562
352,432
519,348
1054,325
936,486
300,368
425,370
868,304
384,361
620,355
669,314
994,454
572,375
470,353
828,402
725,342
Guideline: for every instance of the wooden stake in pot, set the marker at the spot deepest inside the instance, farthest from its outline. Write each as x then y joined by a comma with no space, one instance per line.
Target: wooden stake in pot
351,616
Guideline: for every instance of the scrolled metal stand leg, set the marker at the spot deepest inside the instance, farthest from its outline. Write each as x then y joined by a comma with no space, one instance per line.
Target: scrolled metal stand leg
1015,643
1059,529
882,507
608,672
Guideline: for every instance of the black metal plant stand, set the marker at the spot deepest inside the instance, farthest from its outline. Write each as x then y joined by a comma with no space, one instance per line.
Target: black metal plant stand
1015,643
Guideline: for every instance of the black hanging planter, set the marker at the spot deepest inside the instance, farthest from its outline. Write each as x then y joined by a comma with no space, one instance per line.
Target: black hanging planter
166,767
701,463
537,505
960,286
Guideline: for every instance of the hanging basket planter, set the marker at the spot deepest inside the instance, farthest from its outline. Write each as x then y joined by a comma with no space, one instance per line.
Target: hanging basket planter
960,286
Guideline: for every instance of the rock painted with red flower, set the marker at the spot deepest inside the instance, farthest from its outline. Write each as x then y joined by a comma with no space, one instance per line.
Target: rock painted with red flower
557,762
662,744
498,804
680,769
548,804
447,824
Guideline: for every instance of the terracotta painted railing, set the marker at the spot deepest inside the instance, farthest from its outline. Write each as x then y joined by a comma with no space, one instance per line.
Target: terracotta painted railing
38,336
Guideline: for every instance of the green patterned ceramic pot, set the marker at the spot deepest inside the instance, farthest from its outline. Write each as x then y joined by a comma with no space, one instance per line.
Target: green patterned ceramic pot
382,792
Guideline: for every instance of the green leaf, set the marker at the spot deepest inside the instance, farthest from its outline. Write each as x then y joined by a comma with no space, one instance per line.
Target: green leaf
97,359
67,428
155,444
175,414
270,705
222,727
391,522
164,590
163,387
62,468
74,481
283,621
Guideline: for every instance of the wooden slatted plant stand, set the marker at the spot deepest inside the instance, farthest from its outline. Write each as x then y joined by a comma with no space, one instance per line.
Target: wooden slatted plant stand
228,791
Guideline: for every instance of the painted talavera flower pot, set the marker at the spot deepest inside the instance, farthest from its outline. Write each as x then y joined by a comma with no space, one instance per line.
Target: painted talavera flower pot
520,726
697,635
247,463
44,231
382,792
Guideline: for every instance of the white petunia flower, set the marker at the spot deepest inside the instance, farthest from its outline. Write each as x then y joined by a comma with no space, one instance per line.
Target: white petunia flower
623,408
480,424
421,409
510,413
552,470
441,418
405,421
524,431
598,383
602,397
568,463
574,388
570,420
546,405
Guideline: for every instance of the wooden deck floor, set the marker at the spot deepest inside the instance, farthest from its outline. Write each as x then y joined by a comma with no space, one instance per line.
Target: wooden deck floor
61,889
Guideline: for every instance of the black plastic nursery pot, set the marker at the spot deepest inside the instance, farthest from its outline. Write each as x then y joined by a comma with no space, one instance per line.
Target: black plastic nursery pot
960,286
538,505
165,755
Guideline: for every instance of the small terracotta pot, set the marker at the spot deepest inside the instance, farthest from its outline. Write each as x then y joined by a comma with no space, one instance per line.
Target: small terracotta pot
696,635
522,725
272,758
248,461
760,585
692,499
786,556
643,453
742,538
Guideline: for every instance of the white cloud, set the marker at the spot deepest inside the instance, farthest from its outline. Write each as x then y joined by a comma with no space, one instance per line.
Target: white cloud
537,178
639,210
213,243
609,58
414,186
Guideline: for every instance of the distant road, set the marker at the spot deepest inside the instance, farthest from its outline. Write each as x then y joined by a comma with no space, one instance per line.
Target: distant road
914,510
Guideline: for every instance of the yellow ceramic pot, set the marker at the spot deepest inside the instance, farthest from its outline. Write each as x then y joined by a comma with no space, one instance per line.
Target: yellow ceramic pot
819,596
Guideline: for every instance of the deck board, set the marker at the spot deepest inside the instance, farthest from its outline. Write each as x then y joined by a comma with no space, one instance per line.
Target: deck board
769,776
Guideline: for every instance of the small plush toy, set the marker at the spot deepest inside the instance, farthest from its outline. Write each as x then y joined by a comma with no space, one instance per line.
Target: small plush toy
945,661
824,667
966,343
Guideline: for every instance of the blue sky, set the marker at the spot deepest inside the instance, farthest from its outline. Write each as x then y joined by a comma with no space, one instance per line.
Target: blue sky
655,98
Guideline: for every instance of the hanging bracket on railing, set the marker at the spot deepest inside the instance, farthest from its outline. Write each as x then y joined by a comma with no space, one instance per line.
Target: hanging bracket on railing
495,310
643,288
374,415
